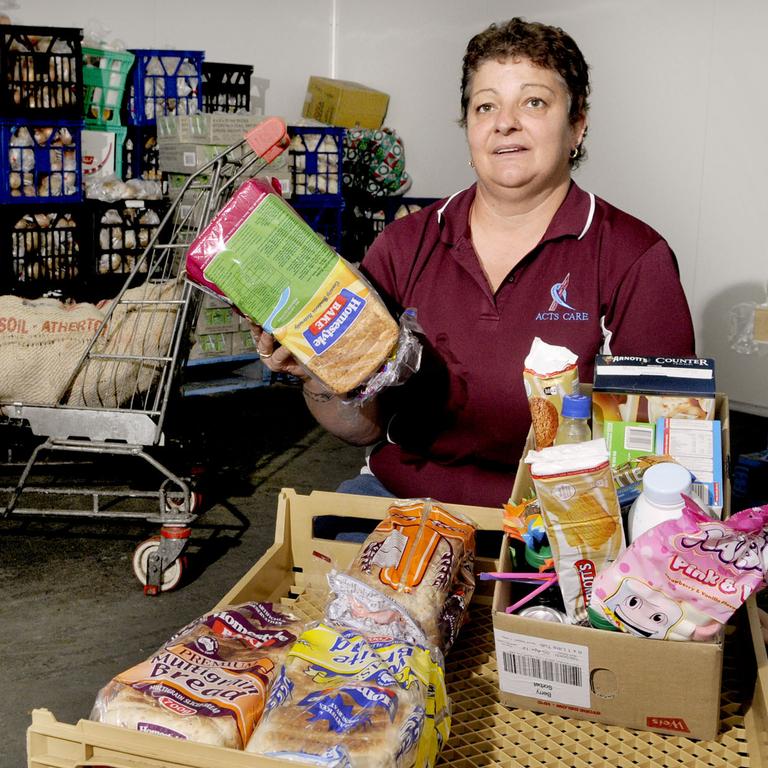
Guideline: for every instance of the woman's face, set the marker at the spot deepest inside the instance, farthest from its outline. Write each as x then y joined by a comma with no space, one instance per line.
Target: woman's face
517,127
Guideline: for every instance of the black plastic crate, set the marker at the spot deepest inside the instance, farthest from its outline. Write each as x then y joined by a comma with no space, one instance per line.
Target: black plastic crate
42,248
325,219
226,87
40,161
164,82
41,72
365,217
141,157
121,232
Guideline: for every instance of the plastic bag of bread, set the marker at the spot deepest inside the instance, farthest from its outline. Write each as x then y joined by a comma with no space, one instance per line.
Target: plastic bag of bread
263,257
413,577
209,682
342,699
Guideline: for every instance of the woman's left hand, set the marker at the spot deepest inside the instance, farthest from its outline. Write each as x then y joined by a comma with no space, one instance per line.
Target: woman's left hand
274,356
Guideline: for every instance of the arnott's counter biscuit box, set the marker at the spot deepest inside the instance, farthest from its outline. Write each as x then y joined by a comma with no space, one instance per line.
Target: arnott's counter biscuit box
640,389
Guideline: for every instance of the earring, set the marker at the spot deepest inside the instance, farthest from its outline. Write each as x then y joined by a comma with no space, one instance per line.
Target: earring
471,162
574,153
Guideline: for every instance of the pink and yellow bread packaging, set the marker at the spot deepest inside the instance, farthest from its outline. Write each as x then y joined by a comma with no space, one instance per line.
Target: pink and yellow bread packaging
261,255
684,578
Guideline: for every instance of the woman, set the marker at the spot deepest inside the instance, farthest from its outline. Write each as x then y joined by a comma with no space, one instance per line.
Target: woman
524,252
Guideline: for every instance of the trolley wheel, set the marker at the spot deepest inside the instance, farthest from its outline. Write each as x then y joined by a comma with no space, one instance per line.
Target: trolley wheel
171,575
174,505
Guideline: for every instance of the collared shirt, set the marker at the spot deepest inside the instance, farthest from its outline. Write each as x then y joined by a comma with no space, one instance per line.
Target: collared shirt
599,280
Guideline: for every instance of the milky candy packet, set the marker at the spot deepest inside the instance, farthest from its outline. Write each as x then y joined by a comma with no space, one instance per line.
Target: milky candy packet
684,578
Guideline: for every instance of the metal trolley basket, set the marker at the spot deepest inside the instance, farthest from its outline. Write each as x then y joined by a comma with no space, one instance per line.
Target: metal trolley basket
117,396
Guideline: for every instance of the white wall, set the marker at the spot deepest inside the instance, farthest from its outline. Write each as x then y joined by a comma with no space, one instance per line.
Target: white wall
679,106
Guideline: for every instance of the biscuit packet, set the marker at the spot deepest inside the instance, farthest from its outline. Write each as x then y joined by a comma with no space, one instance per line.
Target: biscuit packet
581,512
262,257
550,372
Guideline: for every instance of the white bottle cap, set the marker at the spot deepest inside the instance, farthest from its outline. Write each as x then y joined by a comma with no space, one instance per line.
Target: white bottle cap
663,484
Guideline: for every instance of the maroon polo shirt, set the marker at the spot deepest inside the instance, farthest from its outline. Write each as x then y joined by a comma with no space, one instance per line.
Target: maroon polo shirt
599,280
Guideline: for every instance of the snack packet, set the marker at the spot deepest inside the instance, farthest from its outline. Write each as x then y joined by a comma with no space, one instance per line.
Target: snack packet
263,257
684,578
581,513
342,700
550,372
413,577
209,682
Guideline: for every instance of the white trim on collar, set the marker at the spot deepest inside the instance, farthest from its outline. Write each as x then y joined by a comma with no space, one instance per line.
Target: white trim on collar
445,205
590,216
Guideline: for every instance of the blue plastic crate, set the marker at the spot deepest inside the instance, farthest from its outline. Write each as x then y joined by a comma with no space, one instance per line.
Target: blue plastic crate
316,154
325,219
40,161
141,158
164,82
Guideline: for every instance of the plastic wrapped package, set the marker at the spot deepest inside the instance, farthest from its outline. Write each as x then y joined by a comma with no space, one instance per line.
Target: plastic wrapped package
413,577
209,682
260,255
684,578
345,700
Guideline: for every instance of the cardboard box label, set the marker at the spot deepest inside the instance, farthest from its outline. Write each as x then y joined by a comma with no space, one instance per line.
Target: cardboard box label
543,669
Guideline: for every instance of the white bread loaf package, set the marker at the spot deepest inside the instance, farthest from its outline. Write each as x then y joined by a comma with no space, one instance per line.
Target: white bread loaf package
260,255
413,577
208,683
342,700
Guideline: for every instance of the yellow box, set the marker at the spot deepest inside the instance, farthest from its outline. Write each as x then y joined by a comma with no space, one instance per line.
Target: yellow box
290,574
344,103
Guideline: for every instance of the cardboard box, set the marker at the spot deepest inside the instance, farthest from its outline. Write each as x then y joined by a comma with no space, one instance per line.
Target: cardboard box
290,574
697,446
760,329
187,158
643,389
216,316
756,717
205,128
627,440
609,677
344,103
211,345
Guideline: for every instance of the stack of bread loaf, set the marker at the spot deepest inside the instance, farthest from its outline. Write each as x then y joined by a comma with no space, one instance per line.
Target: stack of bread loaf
363,687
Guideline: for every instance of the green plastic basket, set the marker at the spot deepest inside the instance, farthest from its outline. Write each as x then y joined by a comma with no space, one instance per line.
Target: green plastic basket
105,74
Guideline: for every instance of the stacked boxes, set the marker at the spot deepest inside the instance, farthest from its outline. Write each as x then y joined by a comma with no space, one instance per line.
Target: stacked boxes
315,155
220,331
41,98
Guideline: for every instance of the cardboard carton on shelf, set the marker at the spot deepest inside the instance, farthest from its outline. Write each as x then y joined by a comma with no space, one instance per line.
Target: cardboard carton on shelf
644,389
344,103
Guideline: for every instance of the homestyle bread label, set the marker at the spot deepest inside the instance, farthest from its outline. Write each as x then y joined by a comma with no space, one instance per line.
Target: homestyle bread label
277,271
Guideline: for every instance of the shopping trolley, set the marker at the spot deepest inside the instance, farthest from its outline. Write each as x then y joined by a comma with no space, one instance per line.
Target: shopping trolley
116,399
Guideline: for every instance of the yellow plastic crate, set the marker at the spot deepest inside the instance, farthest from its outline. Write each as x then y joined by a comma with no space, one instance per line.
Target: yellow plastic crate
484,733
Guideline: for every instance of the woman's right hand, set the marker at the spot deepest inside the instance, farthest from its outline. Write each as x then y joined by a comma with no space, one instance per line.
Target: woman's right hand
274,356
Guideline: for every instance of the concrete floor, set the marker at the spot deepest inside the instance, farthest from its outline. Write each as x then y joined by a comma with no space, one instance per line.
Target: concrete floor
72,613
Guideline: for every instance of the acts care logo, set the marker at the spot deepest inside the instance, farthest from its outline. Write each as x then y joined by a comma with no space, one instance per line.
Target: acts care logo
559,308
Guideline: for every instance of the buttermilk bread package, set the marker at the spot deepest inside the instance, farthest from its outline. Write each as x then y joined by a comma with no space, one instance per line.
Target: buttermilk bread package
259,254
208,683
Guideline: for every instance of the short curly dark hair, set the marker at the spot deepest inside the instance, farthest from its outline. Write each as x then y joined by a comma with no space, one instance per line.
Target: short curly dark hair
545,46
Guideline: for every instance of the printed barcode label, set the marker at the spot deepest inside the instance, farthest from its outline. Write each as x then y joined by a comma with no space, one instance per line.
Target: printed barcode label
701,492
542,669
189,159
638,439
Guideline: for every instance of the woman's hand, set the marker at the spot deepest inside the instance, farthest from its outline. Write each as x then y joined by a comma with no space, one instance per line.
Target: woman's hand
275,357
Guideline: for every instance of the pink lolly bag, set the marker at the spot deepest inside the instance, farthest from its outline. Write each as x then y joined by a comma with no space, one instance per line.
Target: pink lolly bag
684,578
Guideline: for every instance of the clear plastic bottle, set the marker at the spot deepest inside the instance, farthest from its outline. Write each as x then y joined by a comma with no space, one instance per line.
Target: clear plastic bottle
574,427
661,498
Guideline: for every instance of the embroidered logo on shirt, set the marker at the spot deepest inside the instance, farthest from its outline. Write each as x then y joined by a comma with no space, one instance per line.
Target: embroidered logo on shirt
559,294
